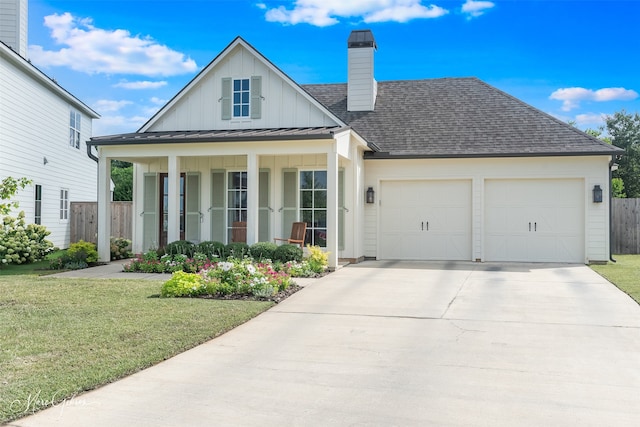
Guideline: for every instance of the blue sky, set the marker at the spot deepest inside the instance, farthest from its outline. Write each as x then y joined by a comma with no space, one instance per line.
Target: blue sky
578,60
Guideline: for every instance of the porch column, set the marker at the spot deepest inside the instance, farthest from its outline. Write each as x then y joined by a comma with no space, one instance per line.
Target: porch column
252,198
332,206
104,209
173,202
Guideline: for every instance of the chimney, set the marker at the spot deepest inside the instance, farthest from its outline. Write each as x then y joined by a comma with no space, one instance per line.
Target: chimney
13,25
362,88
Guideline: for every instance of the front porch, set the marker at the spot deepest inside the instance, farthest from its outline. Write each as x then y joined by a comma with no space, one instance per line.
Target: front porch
204,191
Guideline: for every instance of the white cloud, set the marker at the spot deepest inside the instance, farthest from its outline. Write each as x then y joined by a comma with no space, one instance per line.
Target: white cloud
140,84
109,125
590,119
572,96
106,105
322,13
474,8
93,50
158,101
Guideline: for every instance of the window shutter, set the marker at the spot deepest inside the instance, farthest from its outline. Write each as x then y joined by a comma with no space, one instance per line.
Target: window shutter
226,98
256,97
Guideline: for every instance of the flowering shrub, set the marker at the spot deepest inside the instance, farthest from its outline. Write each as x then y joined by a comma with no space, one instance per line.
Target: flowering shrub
318,260
120,248
243,277
21,243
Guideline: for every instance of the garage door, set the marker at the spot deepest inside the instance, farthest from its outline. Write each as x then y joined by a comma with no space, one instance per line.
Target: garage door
534,220
425,220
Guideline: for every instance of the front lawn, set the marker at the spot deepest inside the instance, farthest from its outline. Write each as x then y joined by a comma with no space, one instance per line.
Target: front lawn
61,337
39,268
625,274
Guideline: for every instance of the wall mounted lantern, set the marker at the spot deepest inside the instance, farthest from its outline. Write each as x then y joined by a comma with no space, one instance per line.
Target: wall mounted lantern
597,194
370,195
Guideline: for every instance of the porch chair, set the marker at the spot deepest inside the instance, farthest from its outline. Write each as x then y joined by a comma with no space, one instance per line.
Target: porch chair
298,233
239,231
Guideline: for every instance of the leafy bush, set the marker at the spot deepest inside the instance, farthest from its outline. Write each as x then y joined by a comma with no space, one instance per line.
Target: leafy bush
212,249
318,260
183,284
21,243
82,251
242,277
262,250
288,252
120,248
237,250
182,247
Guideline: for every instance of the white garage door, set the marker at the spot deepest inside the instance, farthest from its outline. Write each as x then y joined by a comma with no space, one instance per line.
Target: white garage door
425,220
534,220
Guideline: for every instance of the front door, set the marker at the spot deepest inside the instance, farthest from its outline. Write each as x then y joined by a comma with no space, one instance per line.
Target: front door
164,201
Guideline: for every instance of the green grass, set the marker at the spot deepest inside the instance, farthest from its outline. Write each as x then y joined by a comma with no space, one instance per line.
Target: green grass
625,274
39,268
60,337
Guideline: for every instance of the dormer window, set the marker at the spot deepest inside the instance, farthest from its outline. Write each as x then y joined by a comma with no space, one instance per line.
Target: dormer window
241,97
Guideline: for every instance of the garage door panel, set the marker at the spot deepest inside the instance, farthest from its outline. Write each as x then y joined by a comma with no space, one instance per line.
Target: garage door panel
538,220
428,219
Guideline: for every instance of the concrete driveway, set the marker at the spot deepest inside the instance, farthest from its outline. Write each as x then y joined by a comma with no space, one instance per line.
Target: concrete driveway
401,343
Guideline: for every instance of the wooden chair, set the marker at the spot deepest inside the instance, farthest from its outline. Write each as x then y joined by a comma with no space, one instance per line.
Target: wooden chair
239,231
298,233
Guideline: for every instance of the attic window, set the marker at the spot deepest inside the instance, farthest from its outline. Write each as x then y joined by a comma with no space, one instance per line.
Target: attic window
241,96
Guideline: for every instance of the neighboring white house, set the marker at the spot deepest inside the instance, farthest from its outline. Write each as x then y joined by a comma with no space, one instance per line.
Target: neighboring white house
439,169
43,134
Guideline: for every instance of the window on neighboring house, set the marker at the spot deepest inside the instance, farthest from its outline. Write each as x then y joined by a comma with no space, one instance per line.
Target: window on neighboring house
74,129
241,97
313,206
38,205
64,204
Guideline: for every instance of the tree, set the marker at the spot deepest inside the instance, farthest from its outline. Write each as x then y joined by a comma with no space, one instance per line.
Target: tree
8,188
122,176
624,131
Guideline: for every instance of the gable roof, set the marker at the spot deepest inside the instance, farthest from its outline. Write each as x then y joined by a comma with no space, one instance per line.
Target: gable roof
456,117
238,41
34,72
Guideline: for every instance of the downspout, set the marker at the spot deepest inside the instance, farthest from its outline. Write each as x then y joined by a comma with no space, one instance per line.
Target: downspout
611,163
90,154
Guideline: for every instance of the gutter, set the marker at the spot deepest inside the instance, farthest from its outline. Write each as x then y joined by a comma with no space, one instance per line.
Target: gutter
611,163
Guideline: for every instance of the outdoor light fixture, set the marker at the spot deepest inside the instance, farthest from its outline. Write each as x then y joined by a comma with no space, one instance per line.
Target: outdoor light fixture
597,194
370,195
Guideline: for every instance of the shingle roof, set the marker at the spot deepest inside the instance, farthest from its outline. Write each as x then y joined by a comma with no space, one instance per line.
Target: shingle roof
456,117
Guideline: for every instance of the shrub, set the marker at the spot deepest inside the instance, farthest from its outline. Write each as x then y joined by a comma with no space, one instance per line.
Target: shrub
21,243
237,250
82,251
120,248
287,253
262,250
211,249
183,284
182,247
242,277
318,260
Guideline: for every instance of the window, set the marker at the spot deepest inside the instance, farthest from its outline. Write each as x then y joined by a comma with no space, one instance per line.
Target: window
38,205
313,206
236,203
241,97
74,129
64,204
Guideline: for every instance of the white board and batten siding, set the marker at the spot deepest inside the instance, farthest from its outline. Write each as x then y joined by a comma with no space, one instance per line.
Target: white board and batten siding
491,202
199,106
34,122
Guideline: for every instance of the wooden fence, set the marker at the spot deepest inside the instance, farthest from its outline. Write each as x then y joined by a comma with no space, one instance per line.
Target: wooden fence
625,226
84,223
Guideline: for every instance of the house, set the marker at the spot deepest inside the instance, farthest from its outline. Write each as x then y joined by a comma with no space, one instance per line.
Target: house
43,133
440,169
